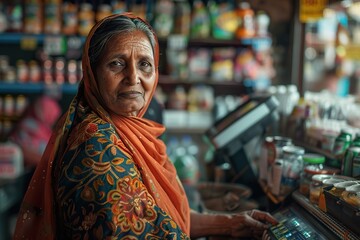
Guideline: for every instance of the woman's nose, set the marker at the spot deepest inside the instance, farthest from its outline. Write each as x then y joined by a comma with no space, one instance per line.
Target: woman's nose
132,75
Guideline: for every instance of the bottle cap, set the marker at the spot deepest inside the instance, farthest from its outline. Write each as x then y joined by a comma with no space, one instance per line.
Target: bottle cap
313,158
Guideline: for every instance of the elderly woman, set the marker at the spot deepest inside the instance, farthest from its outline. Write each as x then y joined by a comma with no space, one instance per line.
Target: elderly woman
105,173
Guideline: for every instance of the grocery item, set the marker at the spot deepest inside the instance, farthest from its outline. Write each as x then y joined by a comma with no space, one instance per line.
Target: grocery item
69,18
224,20
313,164
182,17
103,11
292,167
86,18
52,16
14,15
33,16
246,28
352,155
164,18
200,21
262,22
338,188
329,183
222,64
316,185
342,142
351,195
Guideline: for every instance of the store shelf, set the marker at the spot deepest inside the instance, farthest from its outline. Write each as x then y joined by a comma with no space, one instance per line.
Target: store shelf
331,159
34,88
169,80
256,42
18,37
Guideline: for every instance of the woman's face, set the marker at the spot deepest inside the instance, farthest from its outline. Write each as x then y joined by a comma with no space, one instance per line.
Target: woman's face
126,73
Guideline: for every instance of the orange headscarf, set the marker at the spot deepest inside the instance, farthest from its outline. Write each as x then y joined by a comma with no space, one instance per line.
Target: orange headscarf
37,215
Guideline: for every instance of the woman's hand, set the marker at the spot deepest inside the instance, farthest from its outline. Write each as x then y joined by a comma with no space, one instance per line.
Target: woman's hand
251,223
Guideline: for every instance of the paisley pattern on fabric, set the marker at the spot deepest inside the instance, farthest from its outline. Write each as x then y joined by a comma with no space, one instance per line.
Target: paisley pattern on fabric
100,192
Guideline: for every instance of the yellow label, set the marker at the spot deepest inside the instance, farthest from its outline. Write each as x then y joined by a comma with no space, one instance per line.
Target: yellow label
28,43
352,52
311,10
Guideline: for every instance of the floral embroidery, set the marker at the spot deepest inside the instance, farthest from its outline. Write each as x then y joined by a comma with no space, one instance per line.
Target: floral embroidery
100,193
131,205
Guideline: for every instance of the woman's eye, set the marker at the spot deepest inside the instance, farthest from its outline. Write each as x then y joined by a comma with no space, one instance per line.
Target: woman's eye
146,65
116,63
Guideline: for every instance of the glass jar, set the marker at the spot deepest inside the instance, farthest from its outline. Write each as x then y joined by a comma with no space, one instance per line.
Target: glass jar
351,195
340,187
315,186
292,167
313,164
327,183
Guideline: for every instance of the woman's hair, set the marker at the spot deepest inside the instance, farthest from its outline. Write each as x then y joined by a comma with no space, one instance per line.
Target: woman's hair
112,27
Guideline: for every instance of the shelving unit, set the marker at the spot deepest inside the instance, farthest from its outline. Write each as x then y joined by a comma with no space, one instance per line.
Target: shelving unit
36,88
166,82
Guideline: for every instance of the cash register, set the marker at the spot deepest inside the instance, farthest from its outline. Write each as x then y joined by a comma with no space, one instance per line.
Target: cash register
236,134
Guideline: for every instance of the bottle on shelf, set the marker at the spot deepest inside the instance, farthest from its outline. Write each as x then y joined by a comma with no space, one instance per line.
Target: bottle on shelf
33,16
182,17
200,25
103,11
164,18
14,14
86,18
69,18
52,16
224,20
246,28
186,163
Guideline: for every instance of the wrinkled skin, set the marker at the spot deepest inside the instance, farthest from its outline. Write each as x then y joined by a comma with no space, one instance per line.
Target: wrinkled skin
126,73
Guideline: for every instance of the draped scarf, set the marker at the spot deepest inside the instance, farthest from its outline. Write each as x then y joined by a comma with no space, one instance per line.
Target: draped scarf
37,220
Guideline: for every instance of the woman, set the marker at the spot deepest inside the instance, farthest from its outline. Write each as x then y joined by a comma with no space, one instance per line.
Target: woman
105,174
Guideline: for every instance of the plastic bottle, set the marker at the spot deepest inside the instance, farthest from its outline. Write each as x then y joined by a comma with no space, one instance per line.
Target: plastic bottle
190,145
118,6
342,142
52,16
186,163
262,23
224,20
182,16
69,18
86,18
356,141
200,21
172,145
14,13
33,16
3,19
164,18
246,27
103,11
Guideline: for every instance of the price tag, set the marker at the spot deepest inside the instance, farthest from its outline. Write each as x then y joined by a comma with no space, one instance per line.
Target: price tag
28,43
311,10
54,45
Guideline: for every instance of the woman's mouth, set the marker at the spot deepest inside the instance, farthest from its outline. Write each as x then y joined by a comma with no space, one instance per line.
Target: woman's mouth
130,94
